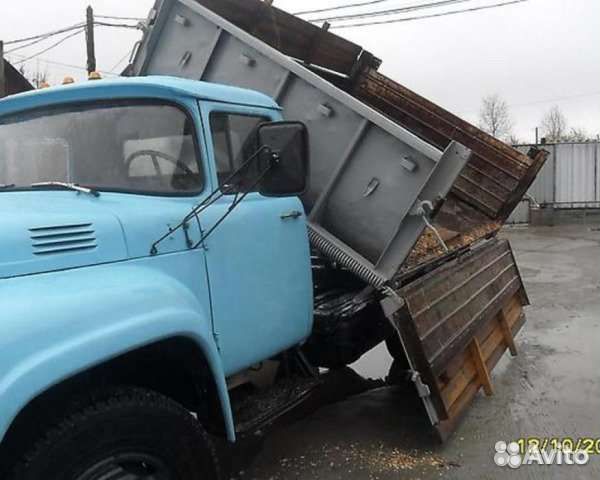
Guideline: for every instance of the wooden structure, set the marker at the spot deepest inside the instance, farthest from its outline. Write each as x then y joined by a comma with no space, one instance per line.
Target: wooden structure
457,321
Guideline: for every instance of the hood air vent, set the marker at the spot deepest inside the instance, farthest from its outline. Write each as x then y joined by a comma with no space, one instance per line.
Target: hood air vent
62,239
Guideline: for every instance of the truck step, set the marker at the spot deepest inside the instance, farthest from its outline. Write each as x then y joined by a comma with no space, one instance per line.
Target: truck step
259,410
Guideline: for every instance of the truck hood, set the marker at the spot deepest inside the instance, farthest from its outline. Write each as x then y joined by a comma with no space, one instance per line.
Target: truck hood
42,233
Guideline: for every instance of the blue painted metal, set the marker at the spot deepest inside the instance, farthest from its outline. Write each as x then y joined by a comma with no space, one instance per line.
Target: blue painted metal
56,325
263,262
135,87
70,310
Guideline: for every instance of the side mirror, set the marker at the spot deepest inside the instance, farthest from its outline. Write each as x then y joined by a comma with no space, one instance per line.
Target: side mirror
285,148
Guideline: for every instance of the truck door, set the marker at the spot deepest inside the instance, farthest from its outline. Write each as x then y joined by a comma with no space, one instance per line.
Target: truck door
258,259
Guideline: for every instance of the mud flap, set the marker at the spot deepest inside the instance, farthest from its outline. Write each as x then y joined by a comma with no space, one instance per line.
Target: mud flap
454,324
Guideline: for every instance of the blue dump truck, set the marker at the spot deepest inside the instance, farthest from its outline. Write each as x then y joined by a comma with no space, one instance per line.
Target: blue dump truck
183,260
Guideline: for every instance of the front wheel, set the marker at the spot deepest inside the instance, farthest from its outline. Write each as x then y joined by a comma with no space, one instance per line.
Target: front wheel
130,434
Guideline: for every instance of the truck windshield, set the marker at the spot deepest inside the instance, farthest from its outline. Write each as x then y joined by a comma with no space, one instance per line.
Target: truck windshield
133,146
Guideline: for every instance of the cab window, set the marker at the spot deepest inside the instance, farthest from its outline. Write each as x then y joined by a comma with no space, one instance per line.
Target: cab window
135,146
234,141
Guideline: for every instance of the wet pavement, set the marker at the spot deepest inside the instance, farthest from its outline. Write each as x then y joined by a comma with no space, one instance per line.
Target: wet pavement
552,389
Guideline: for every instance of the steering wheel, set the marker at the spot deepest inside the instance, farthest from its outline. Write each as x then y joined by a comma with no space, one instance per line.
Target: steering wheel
155,155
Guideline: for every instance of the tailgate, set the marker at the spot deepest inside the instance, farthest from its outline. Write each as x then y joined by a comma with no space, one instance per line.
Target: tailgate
455,323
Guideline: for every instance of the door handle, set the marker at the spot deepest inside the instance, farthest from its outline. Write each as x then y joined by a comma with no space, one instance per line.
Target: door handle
293,215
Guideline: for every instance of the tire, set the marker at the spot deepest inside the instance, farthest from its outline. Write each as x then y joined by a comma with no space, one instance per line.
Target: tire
129,433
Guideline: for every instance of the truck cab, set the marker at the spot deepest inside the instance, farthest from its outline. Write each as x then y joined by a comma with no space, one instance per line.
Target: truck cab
146,221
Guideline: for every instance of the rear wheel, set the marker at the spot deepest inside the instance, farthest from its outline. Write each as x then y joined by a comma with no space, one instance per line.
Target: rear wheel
130,434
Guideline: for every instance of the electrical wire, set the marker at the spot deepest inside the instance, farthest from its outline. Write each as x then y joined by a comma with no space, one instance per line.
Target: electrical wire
53,62
127,55
422,17
62,40
111,17
340,7
411,8
65,65
46,35
118,25
539,102
30,44
54,45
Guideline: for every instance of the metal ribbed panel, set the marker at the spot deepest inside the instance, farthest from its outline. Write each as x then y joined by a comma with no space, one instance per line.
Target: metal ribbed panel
542,188
62,239
575,174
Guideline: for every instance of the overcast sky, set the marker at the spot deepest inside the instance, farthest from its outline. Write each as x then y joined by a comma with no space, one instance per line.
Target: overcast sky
534,54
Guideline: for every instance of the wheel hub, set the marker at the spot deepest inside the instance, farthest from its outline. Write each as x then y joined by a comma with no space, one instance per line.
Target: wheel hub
128,466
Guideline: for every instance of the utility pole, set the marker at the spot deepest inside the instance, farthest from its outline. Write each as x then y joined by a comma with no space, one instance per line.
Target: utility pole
3,88
89,38
537,135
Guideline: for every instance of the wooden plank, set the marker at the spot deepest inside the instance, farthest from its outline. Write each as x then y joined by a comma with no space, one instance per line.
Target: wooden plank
460,407
462,370
438,126
447,123
460,338
415,351
447,426
291,35
508,338
482,371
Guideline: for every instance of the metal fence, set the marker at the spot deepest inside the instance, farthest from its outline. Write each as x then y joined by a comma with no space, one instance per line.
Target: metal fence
570,179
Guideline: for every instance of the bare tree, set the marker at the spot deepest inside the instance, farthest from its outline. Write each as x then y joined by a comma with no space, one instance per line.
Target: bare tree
514,140
577,134
494,117
36,78
554,125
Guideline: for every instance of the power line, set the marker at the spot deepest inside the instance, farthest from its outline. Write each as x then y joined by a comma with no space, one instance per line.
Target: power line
556,99
30,44
340,7
54,45
62,64
412,8
45,35
127,55
433,15
62,40
111,17
118,25
537,102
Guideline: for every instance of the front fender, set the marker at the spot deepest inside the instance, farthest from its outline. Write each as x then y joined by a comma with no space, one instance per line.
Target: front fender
56,325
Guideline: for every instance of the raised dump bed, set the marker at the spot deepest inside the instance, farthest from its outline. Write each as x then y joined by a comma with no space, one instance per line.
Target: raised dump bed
403,194
369,175
196,43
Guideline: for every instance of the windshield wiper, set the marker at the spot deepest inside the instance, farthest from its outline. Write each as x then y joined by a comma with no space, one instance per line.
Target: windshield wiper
4,186
70,186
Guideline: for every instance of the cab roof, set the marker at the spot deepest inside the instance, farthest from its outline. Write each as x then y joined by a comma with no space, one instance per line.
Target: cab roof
135,87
